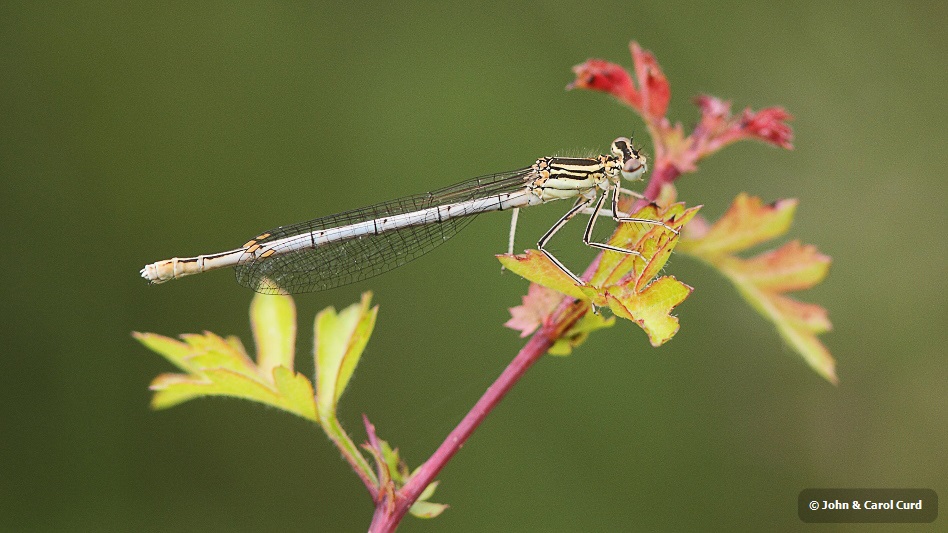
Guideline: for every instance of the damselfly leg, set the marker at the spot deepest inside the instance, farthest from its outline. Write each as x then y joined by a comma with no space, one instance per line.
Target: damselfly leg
581,204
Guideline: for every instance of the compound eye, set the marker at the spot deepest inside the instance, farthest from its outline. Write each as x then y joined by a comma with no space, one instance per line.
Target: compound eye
634,167
633,164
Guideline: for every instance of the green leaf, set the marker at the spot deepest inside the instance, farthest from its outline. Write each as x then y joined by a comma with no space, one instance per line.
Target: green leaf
764,279
340,339
623,282
536,267
273,321
746,223
580,332
176,352
423,509
394,474
385,483
651,307
215,366
429,490
394,463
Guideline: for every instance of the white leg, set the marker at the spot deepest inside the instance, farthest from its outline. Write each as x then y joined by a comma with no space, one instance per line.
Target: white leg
513,233
589,211
581,204
513,230
620,217
633,194
587,236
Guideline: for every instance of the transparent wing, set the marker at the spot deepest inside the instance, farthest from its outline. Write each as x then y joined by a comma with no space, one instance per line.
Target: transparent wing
343,262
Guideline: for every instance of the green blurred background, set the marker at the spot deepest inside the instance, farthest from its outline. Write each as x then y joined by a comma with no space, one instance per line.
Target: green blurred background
132,133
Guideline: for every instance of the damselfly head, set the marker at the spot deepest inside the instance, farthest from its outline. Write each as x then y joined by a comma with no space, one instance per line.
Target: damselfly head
633,164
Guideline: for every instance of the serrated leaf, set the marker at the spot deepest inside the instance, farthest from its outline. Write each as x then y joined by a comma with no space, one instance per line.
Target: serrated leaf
295,390
176,352
537,268
654,243
809,317
295,397
340,340
212,351
762,280
620,281
215,366
746,223
792,267
651,307
291,393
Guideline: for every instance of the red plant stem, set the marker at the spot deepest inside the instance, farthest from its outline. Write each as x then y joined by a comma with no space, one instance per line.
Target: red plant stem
387,517
529,354
664,172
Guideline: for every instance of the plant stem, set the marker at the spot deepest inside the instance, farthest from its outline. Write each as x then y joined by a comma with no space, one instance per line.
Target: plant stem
387,517
351,453
664,172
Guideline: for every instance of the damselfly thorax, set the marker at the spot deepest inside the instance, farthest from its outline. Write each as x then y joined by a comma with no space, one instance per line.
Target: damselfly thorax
355,245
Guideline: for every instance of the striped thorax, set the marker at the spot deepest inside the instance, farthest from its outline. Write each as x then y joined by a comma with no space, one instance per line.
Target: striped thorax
567,177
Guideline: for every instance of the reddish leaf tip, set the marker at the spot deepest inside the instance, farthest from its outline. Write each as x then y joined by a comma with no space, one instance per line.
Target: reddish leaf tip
769,125
601,75
654,86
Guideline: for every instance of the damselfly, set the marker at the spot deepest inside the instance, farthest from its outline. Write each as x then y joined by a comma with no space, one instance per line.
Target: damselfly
355,245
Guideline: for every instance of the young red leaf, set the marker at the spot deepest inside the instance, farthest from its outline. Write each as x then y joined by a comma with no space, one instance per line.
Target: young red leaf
538,303
768,125
718,127
655,89
600,75
649,94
